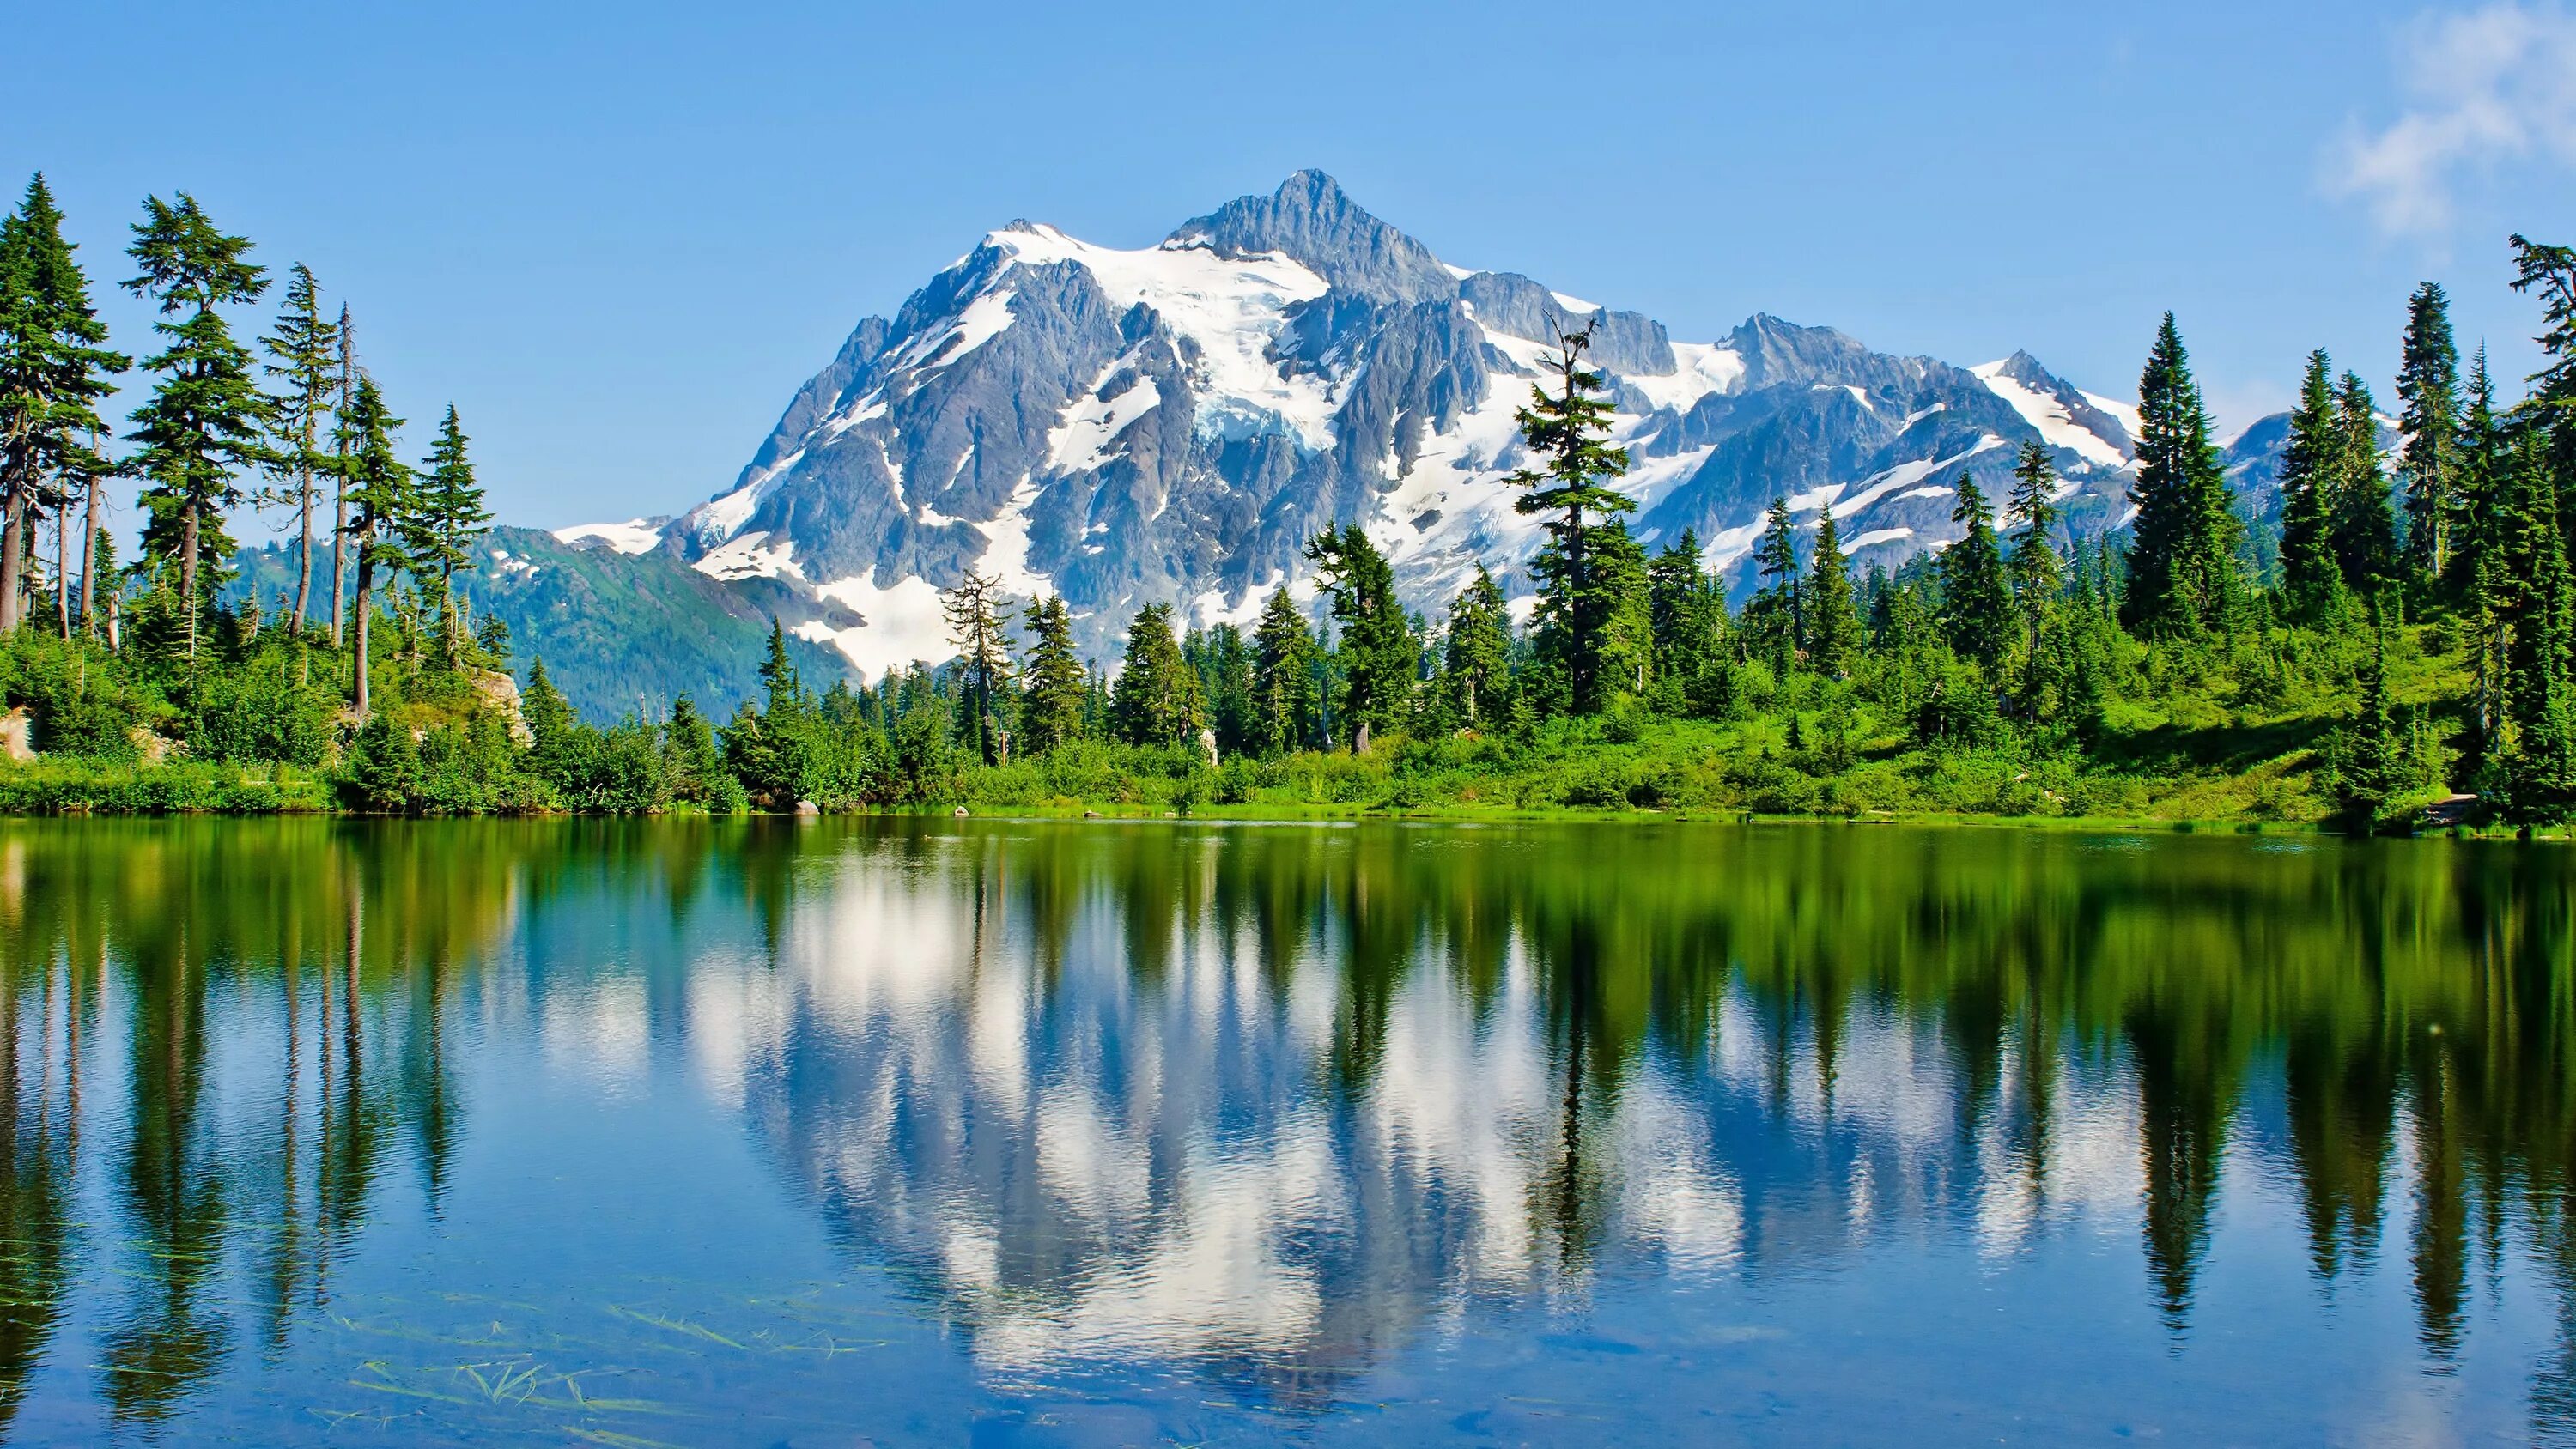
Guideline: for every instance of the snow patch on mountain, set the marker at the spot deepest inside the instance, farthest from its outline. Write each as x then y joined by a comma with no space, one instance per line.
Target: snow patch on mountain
636,535
1232,308
2056,425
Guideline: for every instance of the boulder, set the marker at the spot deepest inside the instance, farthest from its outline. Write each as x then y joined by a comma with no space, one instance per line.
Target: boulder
17,735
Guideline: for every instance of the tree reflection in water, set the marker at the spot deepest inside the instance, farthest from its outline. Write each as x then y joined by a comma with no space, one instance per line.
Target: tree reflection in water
1269,1105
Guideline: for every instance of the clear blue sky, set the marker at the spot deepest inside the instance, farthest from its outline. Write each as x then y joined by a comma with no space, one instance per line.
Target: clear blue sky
617,236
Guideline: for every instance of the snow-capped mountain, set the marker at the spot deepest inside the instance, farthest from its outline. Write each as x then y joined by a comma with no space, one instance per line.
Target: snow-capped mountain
1172,423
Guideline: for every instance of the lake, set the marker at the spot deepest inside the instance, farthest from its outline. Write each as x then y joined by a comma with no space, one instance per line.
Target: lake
884,1131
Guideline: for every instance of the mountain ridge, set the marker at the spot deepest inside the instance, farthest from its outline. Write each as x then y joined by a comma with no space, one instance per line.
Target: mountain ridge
1169,423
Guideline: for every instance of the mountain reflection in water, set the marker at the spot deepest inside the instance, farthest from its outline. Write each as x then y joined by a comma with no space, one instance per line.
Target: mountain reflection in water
1286,1113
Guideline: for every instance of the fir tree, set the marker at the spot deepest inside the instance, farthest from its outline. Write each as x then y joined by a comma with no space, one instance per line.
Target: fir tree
305,359
340,448
1621,595
2311,477
1478,662
1772,618
1223,665
1674,582
206,421
1976,597
2182,551
2482,576
2036,575
1833,623
2365,525
2428,394
2550,273
379,490
1285,709
1378,651
1570,430
1051,711
973,612
54,371
2366,755
447,519
2540,767
1155,701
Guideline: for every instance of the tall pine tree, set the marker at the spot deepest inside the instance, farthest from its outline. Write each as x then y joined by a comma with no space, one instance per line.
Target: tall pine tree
1054,680
1833,623
2182,550
304,358
2311,475
1976,597
1570,431
379,492
973,612
1379,654
54,371
447,519
1286,708
1772,618
1156,700
2428,394
206,421
2036,574
1478,662
2365,524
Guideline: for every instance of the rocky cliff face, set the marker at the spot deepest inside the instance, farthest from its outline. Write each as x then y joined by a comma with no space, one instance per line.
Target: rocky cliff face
1171,423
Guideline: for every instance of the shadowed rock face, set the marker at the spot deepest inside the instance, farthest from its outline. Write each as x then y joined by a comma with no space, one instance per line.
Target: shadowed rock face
1170,424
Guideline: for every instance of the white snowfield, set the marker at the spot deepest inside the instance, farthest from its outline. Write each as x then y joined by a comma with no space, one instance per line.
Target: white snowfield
1441,515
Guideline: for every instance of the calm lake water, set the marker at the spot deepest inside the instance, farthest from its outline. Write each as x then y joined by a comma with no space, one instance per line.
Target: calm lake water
830,1133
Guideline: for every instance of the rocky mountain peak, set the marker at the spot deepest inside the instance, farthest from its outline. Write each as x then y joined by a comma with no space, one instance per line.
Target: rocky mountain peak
1312,220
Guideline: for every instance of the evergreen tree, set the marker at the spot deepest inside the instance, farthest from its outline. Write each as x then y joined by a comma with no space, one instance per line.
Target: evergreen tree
2482,576
1621,594
2366,755
206,420
2311,479
340,448
1156,700
1223,665
2036,576
1674,582
379,491
973,612
53,374
1976,597
305,359
447,519
1379,653
1570,430
1772,619
2365,524
2182,550
1051,711
2428,394
1478,663
2540,768
553,731
2550,273
1833,621
1285,708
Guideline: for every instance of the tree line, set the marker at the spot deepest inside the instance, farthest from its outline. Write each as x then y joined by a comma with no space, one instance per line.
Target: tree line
2400,632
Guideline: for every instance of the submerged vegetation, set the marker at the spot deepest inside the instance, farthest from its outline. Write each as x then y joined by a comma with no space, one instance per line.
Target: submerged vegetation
2401,638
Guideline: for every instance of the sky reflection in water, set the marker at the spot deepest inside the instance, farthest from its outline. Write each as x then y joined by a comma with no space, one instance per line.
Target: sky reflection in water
774,1133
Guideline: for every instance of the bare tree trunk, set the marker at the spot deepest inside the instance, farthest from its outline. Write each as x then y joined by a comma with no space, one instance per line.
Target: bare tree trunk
13,548
366,606
62,567
188,574
89,562
304,546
